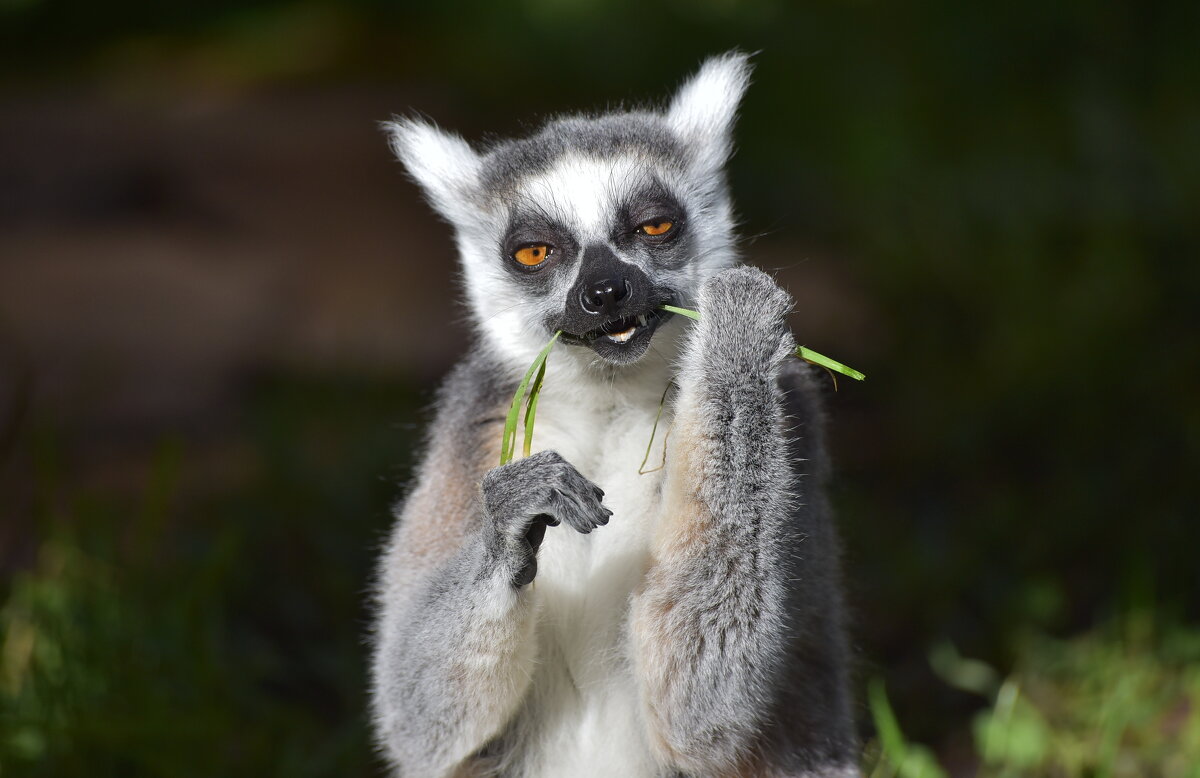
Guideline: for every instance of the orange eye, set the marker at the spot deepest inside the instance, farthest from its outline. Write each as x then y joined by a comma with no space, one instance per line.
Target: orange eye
657,228
531,256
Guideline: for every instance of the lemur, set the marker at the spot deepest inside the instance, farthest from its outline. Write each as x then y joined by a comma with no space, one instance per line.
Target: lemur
566,614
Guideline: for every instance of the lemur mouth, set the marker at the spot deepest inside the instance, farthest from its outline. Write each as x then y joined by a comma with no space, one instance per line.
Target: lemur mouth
622,340
622,330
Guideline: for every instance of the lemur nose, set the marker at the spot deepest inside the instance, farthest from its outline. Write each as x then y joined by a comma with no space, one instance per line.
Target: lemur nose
604,296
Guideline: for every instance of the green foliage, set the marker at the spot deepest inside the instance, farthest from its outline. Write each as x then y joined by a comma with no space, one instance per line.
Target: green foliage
220,635
895,755
1116,702
1013,735
1119,702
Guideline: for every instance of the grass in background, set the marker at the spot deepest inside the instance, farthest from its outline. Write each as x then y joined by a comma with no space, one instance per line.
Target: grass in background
219,636
1120,701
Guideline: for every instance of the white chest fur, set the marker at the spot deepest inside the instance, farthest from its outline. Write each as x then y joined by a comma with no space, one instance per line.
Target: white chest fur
583,716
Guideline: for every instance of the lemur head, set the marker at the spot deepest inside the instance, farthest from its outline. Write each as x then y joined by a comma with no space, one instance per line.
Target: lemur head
591,223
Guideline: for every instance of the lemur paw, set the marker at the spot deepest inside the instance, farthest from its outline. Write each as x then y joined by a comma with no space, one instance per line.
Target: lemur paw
744,319
523,497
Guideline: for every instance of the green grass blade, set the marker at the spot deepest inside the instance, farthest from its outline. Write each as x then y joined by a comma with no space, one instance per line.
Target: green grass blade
508,443
899,757
688,312
887,729
531,408
653,430
807,354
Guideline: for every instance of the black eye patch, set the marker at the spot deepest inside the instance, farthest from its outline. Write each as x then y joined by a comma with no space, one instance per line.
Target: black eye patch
652,203
646,204
532,227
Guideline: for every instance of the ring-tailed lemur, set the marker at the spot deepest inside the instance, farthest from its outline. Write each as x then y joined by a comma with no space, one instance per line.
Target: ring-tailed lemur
564,615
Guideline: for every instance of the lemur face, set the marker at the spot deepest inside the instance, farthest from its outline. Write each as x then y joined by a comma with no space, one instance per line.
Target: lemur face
592,223
594,245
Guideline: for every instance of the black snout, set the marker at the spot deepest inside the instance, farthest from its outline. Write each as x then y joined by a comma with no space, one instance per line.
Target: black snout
605,296
608,293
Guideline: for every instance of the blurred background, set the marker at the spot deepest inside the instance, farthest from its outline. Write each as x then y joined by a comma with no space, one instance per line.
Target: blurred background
223,310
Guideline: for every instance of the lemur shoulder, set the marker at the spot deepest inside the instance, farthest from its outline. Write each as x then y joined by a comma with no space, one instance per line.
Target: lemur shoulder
564,615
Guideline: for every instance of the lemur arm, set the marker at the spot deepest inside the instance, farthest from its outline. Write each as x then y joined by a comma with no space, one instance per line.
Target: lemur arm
453,661
709,626
455,647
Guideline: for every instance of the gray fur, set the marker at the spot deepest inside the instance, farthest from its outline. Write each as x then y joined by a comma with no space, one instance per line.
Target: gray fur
540,489
754,615
510,161
732,633
731,591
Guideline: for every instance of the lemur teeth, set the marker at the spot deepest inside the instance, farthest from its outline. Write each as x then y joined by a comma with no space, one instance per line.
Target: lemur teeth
621,337
641,320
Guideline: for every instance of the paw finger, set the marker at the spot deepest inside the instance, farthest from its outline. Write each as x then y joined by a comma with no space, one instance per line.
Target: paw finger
575,514
596,509
593,509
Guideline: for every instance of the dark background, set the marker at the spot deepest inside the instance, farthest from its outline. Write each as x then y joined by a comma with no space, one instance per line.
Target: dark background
223,310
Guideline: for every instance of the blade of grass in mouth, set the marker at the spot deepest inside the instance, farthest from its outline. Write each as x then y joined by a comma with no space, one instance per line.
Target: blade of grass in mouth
531,409
508,444
527,393
807,354
688,312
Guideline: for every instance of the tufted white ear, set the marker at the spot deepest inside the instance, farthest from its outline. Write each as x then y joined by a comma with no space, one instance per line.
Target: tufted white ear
442,163
704,108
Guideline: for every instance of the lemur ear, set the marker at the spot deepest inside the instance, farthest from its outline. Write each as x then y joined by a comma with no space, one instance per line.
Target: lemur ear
442,163
703,110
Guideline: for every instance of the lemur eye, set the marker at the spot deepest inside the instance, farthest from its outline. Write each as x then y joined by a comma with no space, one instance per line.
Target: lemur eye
532,256
656,228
